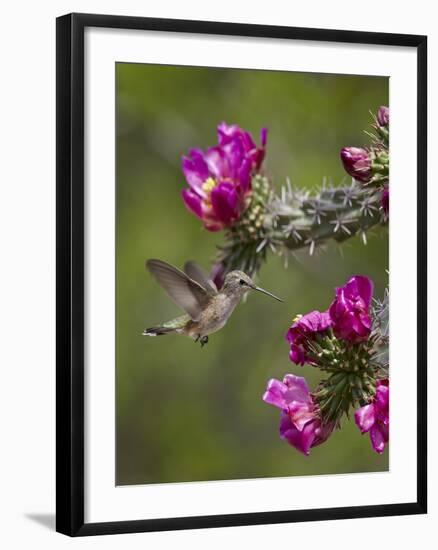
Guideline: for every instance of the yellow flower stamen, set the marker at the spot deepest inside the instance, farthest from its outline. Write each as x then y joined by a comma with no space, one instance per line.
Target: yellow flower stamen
297,318
208,185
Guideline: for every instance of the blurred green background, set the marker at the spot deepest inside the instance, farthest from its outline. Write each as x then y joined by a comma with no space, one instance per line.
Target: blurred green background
186,414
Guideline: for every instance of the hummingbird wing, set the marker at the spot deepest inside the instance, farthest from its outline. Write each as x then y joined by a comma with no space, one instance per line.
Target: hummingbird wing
184,291
195,272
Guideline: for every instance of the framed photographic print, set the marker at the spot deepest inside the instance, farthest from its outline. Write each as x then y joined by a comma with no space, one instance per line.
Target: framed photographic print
241,274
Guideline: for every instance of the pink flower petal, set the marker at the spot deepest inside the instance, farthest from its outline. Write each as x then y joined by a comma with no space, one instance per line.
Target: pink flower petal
300,414
303,330
296,388
225,202
275,394
226,133
217,162
362,286
301,440
365,417
349,311
193,201
195,171
378,439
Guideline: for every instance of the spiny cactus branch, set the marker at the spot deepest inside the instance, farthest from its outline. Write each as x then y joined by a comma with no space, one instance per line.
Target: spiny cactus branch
295,219
380,336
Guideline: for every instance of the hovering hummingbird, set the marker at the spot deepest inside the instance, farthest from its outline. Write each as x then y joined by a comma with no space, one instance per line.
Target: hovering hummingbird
207,308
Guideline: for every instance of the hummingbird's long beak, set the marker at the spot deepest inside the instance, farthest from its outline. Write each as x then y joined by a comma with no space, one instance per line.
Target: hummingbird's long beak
266,292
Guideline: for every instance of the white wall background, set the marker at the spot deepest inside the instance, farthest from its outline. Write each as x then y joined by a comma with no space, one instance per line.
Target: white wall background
27,274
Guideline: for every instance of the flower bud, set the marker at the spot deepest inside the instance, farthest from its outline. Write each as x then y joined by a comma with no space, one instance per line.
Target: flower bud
383,116
357,163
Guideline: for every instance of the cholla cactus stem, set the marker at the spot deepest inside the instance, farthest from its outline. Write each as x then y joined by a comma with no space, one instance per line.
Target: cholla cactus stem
294,219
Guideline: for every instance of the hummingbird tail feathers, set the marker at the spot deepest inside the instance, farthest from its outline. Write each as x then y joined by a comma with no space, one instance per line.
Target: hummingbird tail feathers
157,331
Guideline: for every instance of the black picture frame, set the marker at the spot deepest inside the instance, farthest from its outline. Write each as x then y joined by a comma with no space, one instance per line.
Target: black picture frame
70,273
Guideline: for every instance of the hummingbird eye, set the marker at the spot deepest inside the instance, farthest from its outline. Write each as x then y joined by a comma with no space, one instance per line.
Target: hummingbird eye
242,282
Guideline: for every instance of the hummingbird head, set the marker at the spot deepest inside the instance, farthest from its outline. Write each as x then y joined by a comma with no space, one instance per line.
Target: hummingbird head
239,283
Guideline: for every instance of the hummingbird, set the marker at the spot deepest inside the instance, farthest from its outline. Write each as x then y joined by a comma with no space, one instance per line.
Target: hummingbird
207,308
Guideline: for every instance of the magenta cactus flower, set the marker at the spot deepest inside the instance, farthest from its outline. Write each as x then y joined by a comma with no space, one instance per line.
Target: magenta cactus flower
374,417
385,200
300,422
383,116
349,312
357,163
231,134
302,331
220,178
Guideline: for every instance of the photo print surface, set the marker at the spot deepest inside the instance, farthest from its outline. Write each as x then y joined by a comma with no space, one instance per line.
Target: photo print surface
251,274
